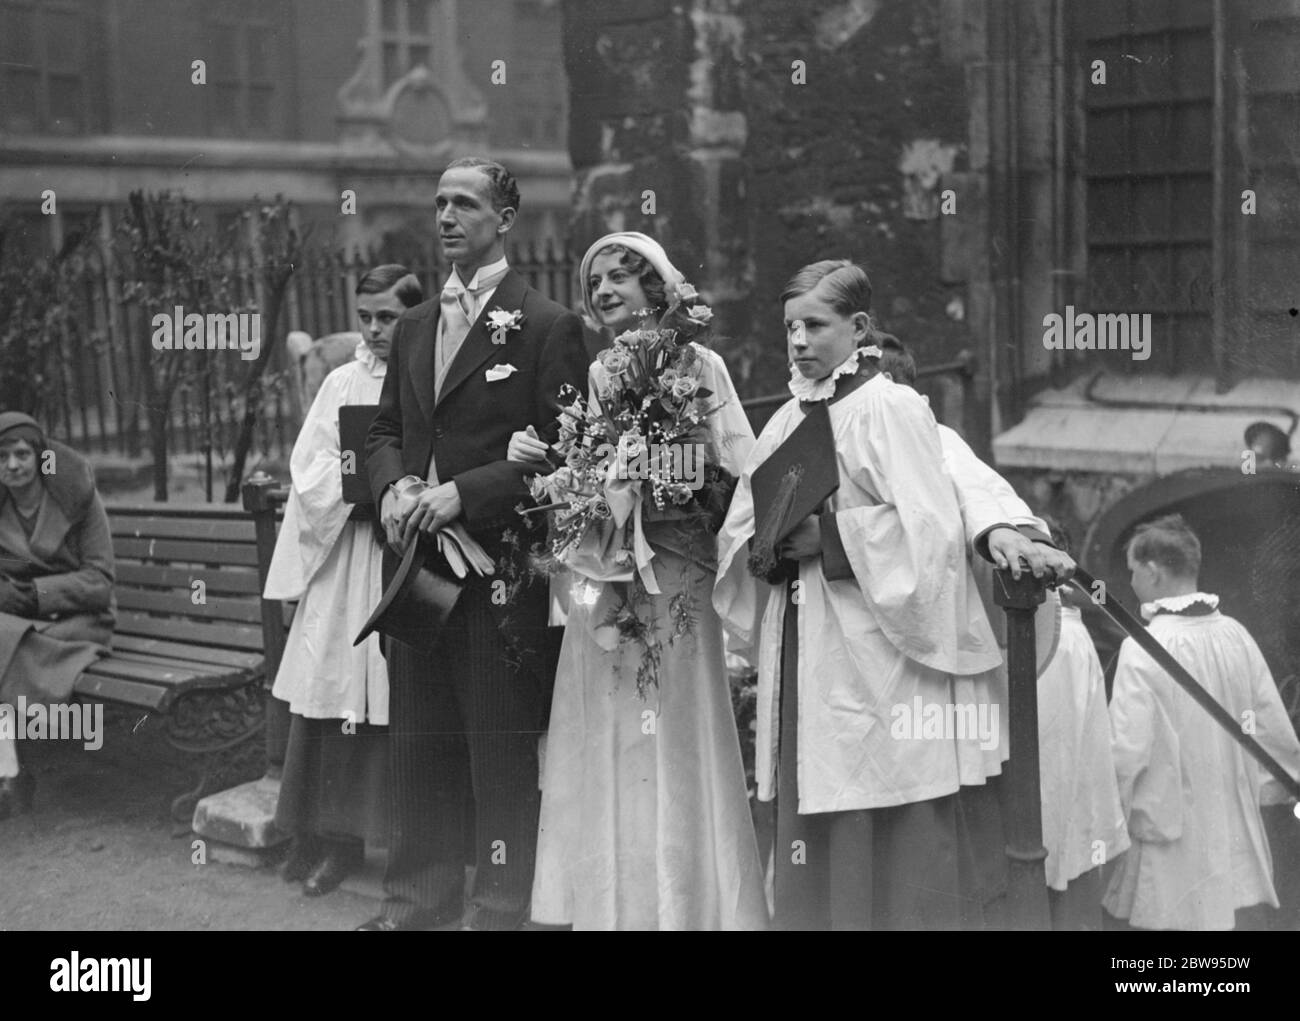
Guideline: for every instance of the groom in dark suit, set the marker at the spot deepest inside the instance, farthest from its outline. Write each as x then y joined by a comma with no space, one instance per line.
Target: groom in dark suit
464,721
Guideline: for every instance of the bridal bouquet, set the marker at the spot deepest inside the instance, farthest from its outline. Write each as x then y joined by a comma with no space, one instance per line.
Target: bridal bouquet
637,453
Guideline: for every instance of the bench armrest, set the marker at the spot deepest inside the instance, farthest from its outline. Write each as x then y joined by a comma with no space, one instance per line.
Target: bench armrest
263,496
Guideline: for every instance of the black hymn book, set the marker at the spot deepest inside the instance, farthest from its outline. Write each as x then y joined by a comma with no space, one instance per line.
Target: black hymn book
794,481
354,423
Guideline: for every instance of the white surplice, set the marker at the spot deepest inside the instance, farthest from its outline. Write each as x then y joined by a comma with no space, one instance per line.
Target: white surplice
331,565
986,496
968,471
909,626
645,820
1191,793
1083,821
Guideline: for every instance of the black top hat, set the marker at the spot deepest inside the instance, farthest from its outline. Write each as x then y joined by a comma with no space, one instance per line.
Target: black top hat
418,600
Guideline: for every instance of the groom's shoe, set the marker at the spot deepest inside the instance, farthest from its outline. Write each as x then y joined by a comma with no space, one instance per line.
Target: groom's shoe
423,921
382,923
303,857
479,919
340,861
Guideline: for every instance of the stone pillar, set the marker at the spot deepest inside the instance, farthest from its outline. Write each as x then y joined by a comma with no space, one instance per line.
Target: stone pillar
1011,242
656,129
857,125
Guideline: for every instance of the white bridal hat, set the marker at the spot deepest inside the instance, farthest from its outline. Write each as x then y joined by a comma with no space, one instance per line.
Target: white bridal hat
634,241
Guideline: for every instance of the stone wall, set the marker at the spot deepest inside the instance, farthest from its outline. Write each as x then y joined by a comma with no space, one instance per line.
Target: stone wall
1075,499
849,164
772,134
656,132
917,137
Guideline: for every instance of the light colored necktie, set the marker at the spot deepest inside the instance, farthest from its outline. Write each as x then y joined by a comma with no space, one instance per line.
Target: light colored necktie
459,310
459,306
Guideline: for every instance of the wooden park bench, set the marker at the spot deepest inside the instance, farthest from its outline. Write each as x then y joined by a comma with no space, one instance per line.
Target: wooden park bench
195,643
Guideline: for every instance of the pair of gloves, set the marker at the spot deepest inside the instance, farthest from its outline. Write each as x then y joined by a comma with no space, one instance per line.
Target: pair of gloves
18,597
463,552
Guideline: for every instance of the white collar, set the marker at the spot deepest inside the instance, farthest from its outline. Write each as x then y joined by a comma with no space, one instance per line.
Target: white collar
375,366
1176,604
482,273
823,389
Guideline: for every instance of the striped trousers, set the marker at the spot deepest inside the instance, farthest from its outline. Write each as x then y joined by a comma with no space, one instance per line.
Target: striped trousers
464,725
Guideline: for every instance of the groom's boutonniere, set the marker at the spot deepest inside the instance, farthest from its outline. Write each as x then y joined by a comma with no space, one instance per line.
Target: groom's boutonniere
502,322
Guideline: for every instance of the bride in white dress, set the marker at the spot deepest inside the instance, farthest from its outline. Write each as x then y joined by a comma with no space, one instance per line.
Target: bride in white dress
645,818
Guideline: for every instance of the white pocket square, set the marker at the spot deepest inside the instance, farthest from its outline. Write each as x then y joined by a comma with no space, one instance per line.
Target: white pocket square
498,372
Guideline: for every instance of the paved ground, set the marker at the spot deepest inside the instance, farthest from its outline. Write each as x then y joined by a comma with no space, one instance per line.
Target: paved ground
99,853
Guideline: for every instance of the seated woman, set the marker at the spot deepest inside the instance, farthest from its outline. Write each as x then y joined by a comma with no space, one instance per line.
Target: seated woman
334,792
56,582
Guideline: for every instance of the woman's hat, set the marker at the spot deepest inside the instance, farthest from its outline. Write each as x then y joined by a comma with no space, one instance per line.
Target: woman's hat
14,425
68,477
644,245
418,600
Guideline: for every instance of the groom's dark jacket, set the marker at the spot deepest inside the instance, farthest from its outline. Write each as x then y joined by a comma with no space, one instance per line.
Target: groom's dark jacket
468,428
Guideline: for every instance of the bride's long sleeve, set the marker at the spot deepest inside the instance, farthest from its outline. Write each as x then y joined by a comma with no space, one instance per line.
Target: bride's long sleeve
731,437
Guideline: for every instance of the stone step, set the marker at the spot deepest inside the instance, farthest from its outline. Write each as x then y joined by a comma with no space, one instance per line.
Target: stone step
242,816
239,825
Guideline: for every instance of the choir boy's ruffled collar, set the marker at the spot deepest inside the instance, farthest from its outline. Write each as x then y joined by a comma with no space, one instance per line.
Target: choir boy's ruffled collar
1193,604
375,366
806,389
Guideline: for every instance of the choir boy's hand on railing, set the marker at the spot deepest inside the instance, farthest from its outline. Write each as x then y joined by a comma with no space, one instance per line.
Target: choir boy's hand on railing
1007,547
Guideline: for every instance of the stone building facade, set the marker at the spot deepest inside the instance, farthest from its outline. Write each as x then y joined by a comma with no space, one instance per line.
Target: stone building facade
304,98
991,163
